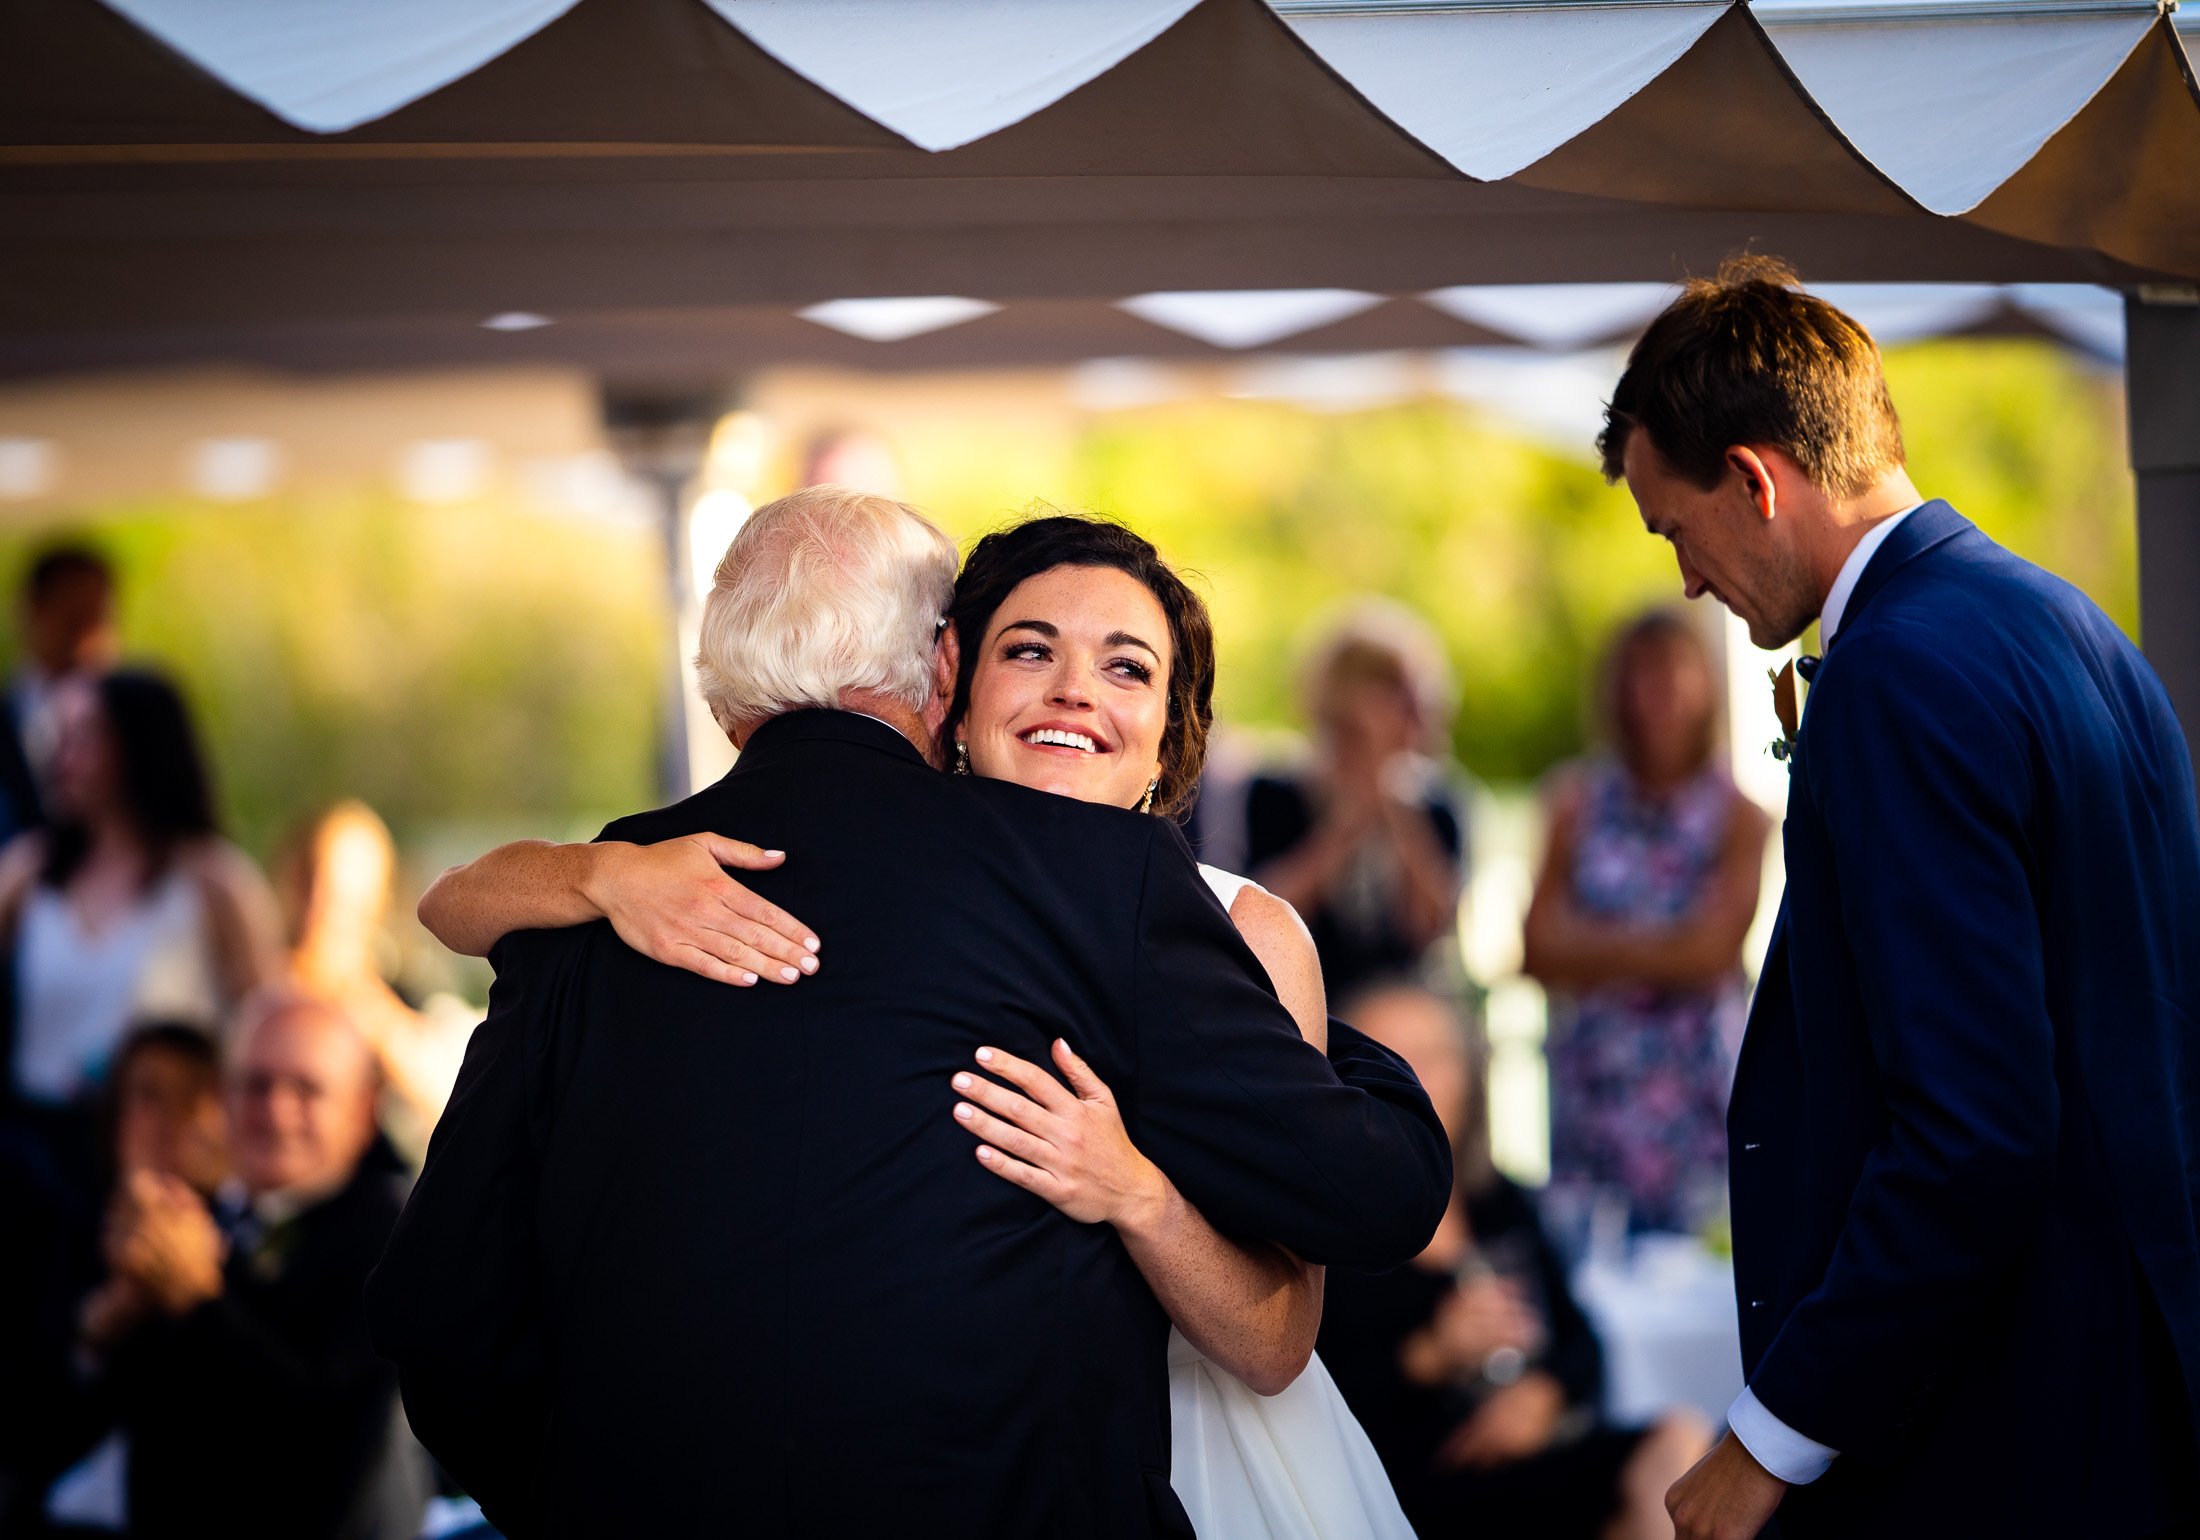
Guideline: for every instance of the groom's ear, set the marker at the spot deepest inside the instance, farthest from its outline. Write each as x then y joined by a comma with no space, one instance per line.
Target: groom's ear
1757,481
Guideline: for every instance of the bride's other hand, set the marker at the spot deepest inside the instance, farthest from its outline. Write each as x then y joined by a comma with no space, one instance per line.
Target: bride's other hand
1066,1144
673,903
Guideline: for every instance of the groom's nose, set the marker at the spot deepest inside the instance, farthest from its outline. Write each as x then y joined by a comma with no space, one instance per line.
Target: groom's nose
1692,581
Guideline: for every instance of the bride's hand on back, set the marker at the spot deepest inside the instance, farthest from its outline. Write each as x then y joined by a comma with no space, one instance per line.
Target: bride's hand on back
674,903
1066,1144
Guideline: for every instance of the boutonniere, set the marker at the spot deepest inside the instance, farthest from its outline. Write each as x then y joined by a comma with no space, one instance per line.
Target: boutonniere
1784,707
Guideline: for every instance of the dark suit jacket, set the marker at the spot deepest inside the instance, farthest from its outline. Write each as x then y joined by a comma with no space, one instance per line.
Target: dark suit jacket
1966,1121
266,1412
689,1259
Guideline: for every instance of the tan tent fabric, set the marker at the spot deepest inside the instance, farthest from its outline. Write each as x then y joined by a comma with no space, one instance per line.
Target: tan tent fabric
636,160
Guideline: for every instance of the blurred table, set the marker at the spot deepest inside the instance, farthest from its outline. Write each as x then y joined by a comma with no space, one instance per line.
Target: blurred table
1667,1319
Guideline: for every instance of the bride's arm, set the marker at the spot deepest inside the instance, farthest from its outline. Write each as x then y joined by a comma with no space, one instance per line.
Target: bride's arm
1249,1305
671,901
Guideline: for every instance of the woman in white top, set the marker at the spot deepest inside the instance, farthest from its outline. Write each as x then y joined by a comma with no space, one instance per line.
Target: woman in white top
132,906
1087,670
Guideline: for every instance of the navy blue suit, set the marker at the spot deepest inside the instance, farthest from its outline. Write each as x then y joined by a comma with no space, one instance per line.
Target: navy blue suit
1966,1120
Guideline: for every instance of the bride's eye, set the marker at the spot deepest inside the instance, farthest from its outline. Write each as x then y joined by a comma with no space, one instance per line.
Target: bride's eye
1024,652
1135,669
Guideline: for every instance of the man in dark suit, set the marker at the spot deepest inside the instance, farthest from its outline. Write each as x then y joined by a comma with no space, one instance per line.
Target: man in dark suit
66,619
695,1260
234,1339
1966,1122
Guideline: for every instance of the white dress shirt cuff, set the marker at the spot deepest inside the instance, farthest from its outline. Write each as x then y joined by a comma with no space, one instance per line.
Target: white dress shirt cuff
1773,1444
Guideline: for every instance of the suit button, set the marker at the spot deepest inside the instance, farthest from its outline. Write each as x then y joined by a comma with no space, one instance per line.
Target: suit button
1756,1304
1751,1146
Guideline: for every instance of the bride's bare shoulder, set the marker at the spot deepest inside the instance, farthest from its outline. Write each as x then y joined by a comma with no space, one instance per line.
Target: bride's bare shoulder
1280,939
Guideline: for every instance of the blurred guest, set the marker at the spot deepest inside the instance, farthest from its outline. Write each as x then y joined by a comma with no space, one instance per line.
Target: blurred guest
166,1118
1473,1369
1368,845
234,1346
334,882
1649,885
66,616
168,1114
132,905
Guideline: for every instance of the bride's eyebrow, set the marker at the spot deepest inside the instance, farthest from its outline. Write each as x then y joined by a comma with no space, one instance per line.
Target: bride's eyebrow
1042,627
1125,639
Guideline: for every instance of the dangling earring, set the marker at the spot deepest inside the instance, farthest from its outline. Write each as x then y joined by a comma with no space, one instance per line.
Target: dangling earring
1145,804
962,758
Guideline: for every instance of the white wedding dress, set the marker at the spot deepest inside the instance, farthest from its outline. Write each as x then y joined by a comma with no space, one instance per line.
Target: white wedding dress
1295,1466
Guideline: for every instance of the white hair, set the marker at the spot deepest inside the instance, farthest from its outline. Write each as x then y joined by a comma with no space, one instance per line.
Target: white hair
824,591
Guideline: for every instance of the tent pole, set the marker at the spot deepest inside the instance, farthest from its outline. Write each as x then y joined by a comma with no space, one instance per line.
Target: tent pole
2162,379
661,439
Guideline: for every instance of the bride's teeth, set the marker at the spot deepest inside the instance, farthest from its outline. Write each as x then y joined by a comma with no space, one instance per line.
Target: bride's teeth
1061,739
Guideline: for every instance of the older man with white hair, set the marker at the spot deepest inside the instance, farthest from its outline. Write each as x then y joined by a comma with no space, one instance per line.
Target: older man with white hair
696,1260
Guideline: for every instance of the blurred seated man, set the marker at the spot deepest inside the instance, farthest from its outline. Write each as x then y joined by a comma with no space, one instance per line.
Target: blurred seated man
235,1356
1476,1374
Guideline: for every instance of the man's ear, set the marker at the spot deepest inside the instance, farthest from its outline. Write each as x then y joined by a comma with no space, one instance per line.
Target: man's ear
946,662
1757,480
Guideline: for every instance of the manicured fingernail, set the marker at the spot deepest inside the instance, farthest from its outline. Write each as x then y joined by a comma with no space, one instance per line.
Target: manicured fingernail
986,1155
965,1111
985,1056
748,978
962,1082
809,943
790,974
776,855
808,965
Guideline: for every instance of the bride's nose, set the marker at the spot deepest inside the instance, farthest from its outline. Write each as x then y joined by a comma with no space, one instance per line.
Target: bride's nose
1069,689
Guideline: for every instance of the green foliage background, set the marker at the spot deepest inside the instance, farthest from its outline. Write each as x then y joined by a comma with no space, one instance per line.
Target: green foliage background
486,671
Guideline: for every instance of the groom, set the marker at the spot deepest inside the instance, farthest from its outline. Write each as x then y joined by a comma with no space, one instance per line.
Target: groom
695,1260
1965,1129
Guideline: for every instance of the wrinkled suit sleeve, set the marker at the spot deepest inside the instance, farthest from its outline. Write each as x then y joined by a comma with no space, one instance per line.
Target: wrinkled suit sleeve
1341,1159
455,1301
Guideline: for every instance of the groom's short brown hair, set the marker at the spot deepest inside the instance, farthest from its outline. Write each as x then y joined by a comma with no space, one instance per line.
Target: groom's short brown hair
1748,358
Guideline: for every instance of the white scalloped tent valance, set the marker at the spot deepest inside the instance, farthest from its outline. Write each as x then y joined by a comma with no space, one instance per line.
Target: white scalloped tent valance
669,181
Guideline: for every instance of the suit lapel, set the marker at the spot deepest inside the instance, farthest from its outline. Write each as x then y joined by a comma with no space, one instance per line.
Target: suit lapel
1934,523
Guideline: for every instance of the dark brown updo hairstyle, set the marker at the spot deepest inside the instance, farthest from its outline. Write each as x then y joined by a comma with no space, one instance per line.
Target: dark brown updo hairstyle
1006,558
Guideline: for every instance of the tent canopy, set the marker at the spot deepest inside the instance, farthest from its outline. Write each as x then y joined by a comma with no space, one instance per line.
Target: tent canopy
368,181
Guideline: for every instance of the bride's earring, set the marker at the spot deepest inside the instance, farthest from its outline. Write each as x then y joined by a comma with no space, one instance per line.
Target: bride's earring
1145,804
962,758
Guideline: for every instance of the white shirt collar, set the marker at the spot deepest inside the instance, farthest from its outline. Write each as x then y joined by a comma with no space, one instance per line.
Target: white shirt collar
1852,570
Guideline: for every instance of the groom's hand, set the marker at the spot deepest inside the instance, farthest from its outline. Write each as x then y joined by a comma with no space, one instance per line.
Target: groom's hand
1727,1495
673,903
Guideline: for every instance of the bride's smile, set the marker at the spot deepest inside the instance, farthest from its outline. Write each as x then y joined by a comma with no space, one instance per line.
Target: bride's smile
1070,694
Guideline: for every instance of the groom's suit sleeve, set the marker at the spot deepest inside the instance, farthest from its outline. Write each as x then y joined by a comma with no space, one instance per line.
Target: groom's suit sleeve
1341,1159
1924,789
454,1301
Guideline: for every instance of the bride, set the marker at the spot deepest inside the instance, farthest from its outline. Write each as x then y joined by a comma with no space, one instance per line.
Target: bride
1087,669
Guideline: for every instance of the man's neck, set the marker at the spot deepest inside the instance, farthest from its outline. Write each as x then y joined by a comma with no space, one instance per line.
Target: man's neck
893,713
1849,520
874,704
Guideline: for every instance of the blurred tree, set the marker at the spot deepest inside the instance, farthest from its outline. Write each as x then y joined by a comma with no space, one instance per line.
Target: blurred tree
471,664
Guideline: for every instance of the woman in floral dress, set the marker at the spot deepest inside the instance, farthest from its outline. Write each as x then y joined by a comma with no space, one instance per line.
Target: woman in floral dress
1649,885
